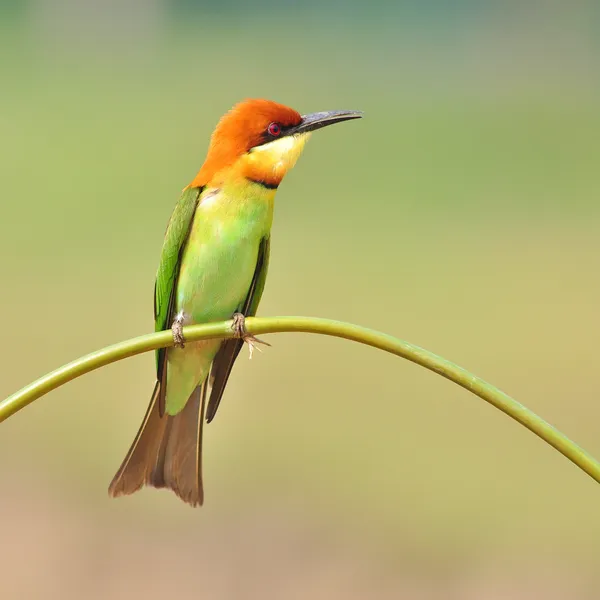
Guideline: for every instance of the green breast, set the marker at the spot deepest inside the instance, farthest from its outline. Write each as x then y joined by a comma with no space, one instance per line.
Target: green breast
220,256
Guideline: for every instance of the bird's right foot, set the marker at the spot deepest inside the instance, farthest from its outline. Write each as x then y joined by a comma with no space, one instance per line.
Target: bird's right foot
177,329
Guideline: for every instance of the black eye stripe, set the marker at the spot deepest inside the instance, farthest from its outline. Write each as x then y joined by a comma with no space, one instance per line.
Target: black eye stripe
267,135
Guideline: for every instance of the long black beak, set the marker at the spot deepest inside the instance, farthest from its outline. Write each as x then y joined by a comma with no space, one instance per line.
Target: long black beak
317,120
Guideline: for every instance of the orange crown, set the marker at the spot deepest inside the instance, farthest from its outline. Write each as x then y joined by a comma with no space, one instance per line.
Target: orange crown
239,130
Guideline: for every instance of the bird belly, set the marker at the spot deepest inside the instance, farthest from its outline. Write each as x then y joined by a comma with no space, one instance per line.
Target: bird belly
216,272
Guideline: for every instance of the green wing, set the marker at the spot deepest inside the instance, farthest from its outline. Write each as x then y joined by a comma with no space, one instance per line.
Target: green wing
223,362
168,269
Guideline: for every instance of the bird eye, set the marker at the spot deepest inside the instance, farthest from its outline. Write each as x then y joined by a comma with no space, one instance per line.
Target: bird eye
274,129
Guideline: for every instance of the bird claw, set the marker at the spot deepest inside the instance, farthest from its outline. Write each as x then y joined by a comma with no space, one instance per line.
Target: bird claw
239,328
177,329
253,342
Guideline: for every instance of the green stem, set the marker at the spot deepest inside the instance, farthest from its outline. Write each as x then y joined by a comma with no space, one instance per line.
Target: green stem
258,326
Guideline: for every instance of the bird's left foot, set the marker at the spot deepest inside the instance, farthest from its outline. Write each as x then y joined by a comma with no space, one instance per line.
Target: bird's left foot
239,328
177,329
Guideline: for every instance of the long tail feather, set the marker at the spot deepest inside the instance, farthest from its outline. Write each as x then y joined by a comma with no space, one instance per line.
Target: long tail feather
166,452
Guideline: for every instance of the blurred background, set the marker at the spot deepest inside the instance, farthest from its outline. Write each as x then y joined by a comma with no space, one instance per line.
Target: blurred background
462,214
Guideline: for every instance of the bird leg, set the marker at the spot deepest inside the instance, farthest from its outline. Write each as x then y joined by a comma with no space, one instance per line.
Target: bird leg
239,328
177,329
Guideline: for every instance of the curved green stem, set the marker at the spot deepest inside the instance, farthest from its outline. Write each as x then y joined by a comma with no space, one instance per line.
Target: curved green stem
258,326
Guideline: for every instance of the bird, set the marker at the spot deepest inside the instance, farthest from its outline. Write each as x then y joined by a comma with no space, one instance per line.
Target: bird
213,266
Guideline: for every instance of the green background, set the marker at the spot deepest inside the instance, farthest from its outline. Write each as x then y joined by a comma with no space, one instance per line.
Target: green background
462,214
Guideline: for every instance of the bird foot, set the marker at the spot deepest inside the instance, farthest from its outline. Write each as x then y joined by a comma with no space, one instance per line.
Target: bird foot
239,328
177,329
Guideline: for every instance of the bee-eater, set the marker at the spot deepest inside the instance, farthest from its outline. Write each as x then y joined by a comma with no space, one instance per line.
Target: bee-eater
213,267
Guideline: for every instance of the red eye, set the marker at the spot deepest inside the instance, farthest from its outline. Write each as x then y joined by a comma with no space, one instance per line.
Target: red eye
274,129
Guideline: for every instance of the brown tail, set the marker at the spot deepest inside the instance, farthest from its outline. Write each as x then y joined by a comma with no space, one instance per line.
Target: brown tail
166,452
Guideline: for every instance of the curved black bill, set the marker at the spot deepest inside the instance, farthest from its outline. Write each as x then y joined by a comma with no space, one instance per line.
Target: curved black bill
317,120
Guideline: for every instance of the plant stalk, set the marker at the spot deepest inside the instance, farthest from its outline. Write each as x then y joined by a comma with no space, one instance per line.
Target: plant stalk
258,326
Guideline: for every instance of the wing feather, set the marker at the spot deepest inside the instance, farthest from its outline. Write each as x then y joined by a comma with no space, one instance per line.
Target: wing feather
165,286
229,350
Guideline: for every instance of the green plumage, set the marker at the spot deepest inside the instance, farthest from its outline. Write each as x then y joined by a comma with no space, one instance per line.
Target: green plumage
213,263
166,277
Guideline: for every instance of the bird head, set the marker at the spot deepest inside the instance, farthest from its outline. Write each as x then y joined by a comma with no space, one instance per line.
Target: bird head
261,140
